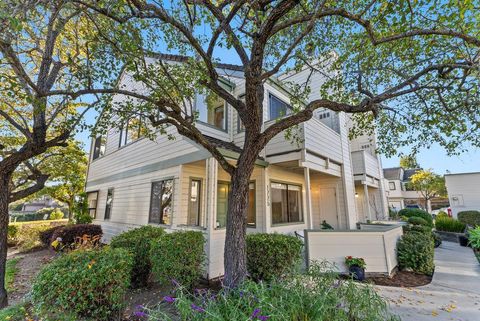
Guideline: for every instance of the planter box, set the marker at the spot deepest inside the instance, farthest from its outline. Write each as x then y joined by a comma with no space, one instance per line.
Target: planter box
449,236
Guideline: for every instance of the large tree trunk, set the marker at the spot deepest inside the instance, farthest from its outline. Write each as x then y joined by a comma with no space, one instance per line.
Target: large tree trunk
4,201
235,259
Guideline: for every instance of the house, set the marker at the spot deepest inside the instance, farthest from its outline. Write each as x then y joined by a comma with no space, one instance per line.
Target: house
177,184
39,203
463,191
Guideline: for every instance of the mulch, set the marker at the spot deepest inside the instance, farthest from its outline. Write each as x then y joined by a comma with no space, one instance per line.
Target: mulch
402,279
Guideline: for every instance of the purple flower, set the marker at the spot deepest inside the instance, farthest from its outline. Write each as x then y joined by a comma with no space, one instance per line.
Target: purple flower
140,314
255,313
263,317
197,308
168,299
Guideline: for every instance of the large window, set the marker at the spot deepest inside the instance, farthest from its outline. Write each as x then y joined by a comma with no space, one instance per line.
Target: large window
212,110
194,208
278,108
92,198
161,202
133,130
286,203
109,204
99,147
223,189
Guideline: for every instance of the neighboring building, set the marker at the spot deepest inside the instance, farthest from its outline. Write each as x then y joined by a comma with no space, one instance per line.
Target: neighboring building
463,191
399,195
39,203
177,184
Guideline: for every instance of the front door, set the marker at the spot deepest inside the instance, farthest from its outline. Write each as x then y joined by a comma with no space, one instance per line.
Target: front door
328,206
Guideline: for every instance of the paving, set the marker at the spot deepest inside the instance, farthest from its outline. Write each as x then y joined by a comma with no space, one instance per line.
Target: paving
453,294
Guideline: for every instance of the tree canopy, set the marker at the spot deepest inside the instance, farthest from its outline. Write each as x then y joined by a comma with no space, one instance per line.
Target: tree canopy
409,162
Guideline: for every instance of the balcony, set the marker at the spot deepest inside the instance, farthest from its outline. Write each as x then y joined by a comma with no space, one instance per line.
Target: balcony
365,163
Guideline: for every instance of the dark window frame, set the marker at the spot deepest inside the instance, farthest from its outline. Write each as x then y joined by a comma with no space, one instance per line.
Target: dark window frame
200,194
97,147
289,107
108,207
160,221
390,186
206,123
124,132
289,222
94,209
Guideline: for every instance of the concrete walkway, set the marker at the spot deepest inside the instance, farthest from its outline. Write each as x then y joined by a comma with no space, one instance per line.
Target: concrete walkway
454,293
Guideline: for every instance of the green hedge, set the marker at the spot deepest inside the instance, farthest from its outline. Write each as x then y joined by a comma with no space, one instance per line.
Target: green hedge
272,255
471,218
415,220
415,251
178,256
415,212
87,284
137,241
448,224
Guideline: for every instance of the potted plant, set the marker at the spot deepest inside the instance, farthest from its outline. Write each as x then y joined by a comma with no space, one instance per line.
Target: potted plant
356,267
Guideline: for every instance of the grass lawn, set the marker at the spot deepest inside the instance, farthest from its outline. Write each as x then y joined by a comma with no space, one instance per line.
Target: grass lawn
12,269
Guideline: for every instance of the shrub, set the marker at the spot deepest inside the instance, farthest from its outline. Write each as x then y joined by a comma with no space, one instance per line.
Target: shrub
178,256
474,238
417,228
415,220
69,233
415,251
46,236
448,224
138,241
318,295
442,214
88,284
12,234
272,255
82,218
471,218
56,214
411,212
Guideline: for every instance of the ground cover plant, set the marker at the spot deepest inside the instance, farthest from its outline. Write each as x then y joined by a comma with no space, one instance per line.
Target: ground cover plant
449,224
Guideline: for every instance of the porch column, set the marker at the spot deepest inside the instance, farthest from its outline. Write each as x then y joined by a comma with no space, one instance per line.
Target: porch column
308,195
211,169
367,201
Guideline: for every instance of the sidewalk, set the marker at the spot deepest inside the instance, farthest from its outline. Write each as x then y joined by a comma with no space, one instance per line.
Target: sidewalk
453,295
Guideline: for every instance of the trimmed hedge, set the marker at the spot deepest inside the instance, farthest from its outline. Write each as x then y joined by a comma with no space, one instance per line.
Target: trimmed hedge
46,236
87,284
471,218
415,212
178,256
415,251
415,220
272,255
448,224
137,241
69,233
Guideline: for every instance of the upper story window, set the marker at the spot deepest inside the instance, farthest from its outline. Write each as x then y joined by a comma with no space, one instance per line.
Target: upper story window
99,147
323,115
132,131
212,110
277,107
391,185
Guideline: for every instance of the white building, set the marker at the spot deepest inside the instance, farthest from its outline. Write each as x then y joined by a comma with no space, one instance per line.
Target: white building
463,191
177,184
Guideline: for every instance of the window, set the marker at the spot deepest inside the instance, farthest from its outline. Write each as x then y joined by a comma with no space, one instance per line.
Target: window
323,115
278,108
211,110
99,147
194,208
391,185
92,203
108,206
161,202
286,203
132,131
223,190
240,126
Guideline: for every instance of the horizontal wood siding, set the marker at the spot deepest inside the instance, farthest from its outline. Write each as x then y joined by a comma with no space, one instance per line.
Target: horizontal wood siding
322,140
365,163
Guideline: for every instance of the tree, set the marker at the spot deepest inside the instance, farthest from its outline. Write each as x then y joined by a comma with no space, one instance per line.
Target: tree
409,162
428,184
413,78
45,47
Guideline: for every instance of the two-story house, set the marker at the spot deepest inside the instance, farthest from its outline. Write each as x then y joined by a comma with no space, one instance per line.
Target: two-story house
177,184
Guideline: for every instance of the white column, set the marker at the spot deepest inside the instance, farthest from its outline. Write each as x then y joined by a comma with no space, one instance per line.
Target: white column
211,192
367,202
308,196
267,214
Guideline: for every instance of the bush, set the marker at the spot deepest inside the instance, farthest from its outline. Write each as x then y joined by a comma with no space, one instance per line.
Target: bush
316,296
46,236
272,255
415,220
12,234
69,233
178,256
138,241
87,284
471,218
82,218
442,214
411,212
415,251
474,238
448,224
56,214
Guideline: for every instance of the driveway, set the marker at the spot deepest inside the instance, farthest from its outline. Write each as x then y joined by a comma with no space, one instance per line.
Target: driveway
453,294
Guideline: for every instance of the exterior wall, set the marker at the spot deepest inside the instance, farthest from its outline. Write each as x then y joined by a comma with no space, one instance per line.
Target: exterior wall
463,192
374,208
378,248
